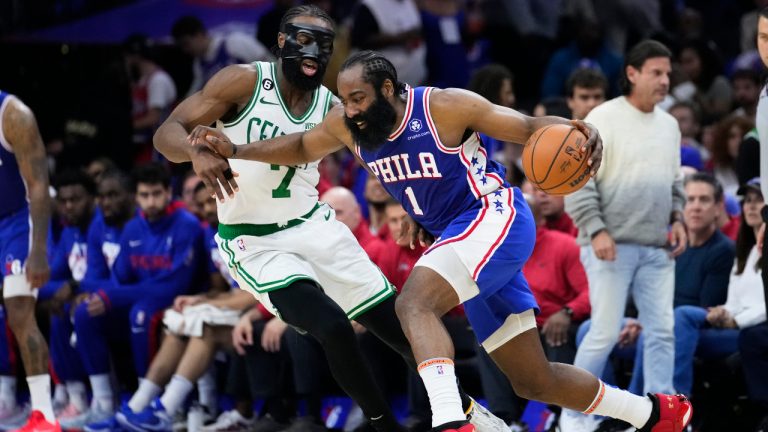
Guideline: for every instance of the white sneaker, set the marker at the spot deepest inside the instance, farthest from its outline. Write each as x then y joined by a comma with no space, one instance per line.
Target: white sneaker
13,417
484,420
229,421
571,421
89,416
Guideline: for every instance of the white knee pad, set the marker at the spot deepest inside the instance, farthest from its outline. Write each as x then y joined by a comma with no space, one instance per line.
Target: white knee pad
514,325
17,286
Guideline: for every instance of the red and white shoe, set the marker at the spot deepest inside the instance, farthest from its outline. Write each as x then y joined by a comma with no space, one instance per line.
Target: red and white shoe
458,426
675,412
38,423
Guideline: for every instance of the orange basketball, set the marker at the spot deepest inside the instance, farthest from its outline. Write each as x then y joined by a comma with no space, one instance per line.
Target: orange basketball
553,161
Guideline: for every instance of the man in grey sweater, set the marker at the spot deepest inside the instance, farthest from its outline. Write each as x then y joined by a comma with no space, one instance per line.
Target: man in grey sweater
630,222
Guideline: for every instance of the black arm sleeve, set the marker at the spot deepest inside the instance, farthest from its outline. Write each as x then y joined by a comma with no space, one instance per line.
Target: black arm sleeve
748,161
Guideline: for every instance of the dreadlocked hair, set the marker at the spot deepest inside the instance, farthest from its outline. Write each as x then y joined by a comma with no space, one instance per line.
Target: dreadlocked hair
305,10
376,69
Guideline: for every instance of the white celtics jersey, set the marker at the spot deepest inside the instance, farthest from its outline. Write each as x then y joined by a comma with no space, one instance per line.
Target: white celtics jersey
272,193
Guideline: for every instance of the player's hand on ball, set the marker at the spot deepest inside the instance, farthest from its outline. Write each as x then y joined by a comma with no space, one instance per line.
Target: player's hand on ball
594,142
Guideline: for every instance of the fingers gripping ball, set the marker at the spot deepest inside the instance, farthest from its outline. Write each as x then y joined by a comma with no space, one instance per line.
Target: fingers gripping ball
553,161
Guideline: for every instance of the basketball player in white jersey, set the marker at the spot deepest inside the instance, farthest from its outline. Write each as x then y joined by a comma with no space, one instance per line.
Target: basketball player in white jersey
275,235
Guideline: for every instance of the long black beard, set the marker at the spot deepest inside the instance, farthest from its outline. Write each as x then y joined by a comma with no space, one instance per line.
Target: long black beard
294,75
379,120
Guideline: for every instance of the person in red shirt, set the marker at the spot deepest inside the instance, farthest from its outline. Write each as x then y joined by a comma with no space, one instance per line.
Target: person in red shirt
348,212
552,209
559,283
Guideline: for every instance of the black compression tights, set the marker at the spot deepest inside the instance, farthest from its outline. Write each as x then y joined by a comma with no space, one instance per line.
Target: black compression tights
383,323
304,305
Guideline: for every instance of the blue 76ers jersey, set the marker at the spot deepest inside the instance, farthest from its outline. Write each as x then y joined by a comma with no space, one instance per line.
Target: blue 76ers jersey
434,183
14,195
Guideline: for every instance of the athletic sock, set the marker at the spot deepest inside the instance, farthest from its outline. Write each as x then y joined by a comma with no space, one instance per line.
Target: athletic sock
206,390
40,394
144,394
77,395
440,380
176,393
103,398
8,390
621,404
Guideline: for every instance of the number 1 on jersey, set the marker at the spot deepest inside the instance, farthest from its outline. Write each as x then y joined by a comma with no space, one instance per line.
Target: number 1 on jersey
282,190
412,198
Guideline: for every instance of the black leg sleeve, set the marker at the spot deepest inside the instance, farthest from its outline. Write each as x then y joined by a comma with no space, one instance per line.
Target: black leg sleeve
304,305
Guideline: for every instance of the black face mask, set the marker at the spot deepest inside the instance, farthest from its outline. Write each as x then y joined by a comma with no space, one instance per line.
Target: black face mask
317,46
379,120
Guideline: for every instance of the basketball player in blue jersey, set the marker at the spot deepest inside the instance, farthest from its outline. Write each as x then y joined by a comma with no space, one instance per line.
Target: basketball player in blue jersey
25,207
265,230
422,145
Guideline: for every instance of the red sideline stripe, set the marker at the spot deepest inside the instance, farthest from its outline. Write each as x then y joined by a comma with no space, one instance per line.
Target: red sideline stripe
495,244
428,116
406,116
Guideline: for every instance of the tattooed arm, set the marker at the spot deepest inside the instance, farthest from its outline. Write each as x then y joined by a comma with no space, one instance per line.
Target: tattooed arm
20,130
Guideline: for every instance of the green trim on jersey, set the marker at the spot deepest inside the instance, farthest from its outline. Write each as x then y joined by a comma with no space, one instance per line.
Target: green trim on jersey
287,112
230,232
251,102
251,281
373,301
328,100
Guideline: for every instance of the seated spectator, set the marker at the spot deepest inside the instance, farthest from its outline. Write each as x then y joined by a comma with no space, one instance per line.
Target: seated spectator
688,120
348,212
725,151
703,269
587,51
393,28
495,83
585,89
75,192
714,332
746,92
705,86
212,53
552,209
161,251
258,370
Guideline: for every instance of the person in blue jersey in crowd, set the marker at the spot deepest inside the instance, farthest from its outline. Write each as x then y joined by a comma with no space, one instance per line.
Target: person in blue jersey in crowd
161,255
422,144
25,212
197,326
116,208
75,195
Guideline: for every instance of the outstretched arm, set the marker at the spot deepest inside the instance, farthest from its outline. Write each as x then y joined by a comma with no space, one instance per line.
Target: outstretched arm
292,149
456,110
20,129
229,89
